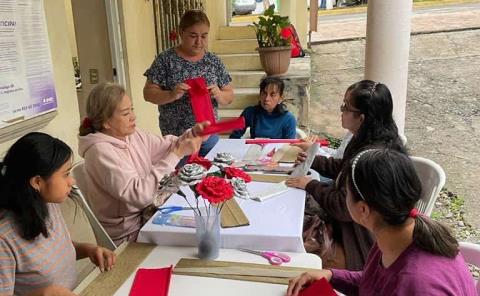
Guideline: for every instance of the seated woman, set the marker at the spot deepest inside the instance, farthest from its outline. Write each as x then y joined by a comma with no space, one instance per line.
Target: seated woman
367,113
123,164
270,117
37,254
413,255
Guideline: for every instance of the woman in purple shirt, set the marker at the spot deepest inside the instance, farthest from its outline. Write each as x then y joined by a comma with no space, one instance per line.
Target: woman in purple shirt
413,255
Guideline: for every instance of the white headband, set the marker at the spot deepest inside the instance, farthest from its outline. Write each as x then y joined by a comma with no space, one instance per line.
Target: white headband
354,164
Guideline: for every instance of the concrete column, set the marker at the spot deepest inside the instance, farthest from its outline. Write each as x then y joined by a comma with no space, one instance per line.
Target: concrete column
387,50
298,14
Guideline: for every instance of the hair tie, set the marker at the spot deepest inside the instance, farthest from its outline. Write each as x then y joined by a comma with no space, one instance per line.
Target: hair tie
87,123
413,213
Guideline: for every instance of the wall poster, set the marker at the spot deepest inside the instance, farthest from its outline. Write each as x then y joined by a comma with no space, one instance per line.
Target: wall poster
26,77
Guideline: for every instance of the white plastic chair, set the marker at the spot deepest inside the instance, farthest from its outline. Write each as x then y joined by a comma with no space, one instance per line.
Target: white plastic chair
433,178
102,237
471,254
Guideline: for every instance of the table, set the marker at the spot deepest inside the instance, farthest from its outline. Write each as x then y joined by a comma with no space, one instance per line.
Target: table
275,224
161,256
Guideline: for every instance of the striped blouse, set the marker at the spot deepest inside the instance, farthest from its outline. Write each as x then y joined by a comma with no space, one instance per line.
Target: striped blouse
29,265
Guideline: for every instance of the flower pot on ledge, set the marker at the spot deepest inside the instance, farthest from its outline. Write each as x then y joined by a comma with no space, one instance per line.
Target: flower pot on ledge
275,60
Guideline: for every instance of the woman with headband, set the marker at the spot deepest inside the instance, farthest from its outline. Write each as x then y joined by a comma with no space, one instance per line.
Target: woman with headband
413,255
367,113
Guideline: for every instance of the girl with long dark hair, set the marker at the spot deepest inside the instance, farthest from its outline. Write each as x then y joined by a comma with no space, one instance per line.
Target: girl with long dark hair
413,255
367,113
37,256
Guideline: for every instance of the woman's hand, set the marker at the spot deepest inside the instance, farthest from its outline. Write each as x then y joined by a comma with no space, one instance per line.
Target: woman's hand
215,91
179,90
101,257
305,279
298,182
301,157
191,140
306,142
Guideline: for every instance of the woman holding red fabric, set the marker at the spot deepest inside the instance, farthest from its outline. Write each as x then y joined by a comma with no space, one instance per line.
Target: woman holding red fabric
166,78
413,255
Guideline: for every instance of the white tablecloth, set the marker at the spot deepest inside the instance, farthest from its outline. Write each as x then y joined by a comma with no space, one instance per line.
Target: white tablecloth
275,224
183,285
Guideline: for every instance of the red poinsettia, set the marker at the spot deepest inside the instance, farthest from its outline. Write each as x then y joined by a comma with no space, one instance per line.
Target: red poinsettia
232,172
214,189
195,158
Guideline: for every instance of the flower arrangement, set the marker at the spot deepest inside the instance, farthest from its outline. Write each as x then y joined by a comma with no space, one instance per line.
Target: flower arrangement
211,187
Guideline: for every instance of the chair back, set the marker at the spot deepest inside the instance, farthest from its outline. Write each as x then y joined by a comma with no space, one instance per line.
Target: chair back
433,178
101,236
103,239
471,254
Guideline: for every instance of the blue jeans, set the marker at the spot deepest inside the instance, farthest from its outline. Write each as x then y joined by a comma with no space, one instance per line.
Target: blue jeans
204,149
208,145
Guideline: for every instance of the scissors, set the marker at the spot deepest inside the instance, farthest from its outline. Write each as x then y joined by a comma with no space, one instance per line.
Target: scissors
171,209
274,258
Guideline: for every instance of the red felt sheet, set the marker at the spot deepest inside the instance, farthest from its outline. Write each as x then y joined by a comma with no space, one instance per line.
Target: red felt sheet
151,282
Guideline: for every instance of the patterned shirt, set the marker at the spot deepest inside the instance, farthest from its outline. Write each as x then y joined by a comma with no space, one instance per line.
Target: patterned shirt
29,265
168,70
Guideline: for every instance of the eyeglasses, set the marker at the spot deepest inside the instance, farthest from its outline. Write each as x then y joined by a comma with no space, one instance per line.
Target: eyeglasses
344,108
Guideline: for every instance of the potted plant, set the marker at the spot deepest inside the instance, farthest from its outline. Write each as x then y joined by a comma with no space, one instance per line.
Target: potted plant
274,50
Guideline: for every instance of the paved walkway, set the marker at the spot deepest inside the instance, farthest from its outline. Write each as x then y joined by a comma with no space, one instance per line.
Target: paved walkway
429,19
443,104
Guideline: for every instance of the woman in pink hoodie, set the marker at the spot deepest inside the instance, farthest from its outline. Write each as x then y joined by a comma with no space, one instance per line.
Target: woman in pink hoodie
123,164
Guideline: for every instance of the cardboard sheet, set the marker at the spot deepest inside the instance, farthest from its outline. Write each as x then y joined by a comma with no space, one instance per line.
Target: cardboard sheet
233,215
238,271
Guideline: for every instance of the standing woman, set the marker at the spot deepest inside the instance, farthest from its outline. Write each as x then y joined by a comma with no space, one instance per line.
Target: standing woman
37,255
166,77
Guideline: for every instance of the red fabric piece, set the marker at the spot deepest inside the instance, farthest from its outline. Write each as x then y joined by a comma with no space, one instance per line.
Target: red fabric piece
224,126
322,142
151,282
321,287
200,100
290,33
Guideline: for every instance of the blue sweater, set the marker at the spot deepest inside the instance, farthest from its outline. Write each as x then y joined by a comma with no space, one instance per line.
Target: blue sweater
273,126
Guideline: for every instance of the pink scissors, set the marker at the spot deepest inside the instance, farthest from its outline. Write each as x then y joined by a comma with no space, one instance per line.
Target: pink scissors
274,258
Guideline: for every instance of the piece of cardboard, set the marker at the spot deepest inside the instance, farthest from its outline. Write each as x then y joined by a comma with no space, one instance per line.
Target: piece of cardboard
238,271
287,153
232,215
268,178
129,256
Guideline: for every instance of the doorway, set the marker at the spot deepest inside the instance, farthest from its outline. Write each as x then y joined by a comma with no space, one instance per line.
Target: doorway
97,46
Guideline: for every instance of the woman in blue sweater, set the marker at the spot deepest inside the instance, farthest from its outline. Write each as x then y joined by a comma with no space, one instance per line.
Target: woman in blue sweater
270,117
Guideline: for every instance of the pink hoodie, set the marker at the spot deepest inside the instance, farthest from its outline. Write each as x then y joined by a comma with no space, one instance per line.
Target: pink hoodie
122,177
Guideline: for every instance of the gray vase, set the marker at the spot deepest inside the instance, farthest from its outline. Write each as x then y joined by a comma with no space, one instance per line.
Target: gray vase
208,236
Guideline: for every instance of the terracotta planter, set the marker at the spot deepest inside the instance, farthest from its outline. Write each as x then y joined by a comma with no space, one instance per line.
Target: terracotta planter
275,60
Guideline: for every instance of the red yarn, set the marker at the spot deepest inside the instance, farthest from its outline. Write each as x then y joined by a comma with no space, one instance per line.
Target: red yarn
87,122
413,213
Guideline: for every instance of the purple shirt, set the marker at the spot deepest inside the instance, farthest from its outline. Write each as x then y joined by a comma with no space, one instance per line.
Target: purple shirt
415,272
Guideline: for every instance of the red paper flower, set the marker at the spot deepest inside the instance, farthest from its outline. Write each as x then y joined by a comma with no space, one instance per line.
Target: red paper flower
215,189
200,160
231,172
172,36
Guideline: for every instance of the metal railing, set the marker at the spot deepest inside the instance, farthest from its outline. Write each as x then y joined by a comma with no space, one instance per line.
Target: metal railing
167,14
